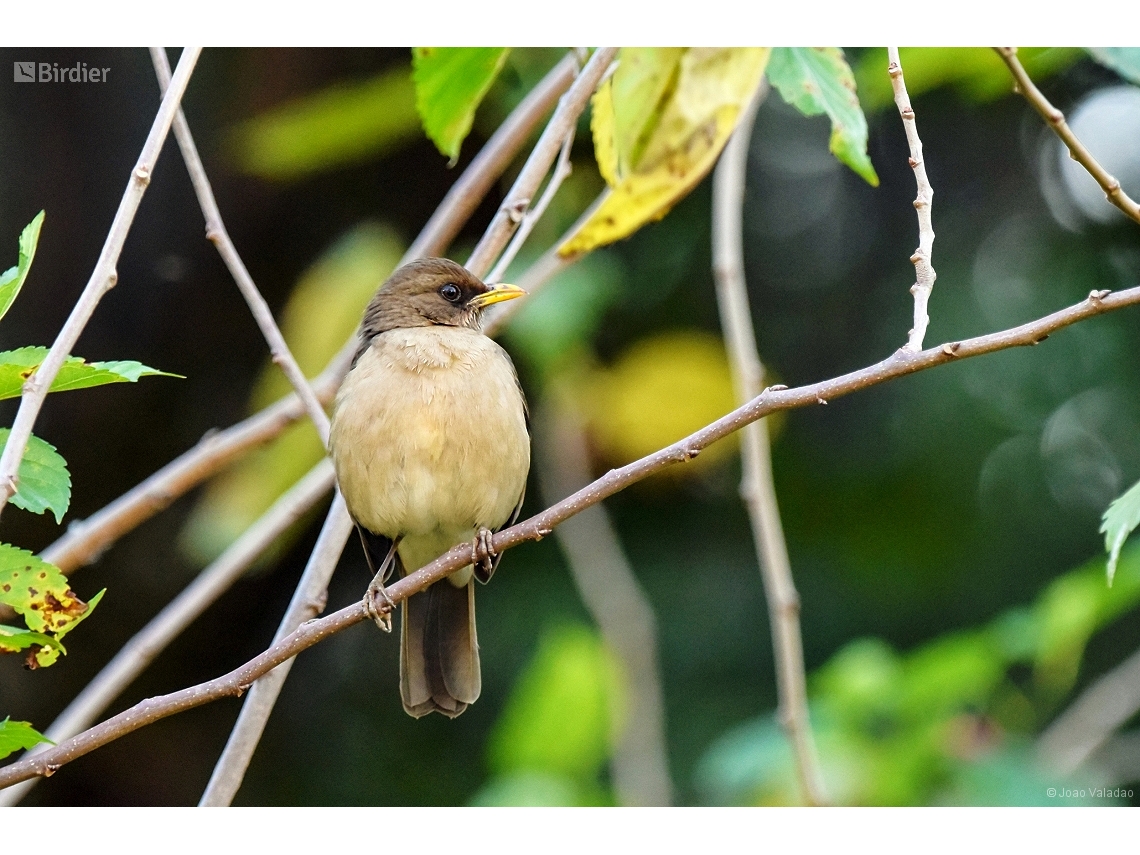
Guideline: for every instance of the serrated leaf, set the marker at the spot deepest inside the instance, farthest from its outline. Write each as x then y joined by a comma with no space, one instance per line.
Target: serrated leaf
682,137
12,279
16,366
816,81
342,124
38,591
450,84
44,482
1119,521
1125,61
15,735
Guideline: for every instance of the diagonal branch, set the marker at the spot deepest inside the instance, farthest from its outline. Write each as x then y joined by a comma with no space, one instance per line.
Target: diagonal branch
142,649
103,279
757,488
899,364
923,271
216,233
230,769
1055,119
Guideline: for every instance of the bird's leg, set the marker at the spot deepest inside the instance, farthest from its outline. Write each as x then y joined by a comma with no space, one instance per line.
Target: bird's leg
482,551
382,613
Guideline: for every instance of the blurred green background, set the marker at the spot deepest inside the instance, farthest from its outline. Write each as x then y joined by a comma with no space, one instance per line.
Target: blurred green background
943,529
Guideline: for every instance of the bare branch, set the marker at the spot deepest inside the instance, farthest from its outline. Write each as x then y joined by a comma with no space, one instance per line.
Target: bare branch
216,233
923,271
308,602
207,587
618,605
103,279
758,488
1091,719
511,212
1055,119
899,364
562,171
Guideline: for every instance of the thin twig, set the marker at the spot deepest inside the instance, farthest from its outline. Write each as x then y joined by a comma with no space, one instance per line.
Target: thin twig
923,271
757,486
103,279
772,399
247,731
216,233
514,207
1091,719
308,602
562,171
134,656
1055,119
619,606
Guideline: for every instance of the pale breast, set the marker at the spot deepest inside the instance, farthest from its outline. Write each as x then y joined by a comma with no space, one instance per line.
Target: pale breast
429,435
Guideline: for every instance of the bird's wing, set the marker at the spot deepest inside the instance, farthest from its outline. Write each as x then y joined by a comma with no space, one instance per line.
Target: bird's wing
377,548
484,575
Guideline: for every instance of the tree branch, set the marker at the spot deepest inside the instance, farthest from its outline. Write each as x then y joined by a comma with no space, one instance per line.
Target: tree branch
619,606
757,487
1055,119
772,399
134,657
103,279
216,233
1105,706
923,271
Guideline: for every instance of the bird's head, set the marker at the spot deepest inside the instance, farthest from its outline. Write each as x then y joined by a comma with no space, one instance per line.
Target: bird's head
432,291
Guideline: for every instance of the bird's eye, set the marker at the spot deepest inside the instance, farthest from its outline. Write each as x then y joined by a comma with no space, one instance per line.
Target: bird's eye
450,292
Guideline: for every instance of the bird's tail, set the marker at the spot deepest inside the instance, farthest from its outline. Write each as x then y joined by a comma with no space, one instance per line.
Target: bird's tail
439,652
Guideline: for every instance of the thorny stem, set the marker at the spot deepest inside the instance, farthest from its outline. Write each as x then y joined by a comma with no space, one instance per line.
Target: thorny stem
103,279
758,488
923,271
772,399
1055,119
216,233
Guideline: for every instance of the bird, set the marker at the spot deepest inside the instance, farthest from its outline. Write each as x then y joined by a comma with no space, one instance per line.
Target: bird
430,440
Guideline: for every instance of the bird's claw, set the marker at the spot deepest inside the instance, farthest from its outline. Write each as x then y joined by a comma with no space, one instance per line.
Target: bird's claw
378,605
482,550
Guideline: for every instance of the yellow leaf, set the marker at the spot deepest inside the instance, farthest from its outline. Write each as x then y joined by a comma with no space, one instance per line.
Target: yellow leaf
696,118
602,127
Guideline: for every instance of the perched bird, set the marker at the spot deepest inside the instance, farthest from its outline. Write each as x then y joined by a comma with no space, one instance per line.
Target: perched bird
431,446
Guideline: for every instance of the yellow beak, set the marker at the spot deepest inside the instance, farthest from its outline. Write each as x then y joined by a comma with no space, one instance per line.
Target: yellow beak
496,294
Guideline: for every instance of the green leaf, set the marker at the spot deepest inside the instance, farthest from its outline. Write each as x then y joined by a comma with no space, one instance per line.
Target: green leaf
558,718
16,366
14,639
450,84
344,124
12,279
15,735
818,80
44,482
1125,61
1119,521
38,591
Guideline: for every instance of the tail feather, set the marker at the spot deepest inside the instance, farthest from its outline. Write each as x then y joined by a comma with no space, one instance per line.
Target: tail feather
439,651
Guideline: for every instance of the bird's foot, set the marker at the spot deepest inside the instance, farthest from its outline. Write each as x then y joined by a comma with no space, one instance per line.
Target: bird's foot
378,605
482,551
